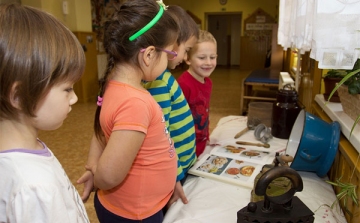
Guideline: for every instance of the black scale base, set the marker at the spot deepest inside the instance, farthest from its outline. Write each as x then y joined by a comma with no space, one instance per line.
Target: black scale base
299,213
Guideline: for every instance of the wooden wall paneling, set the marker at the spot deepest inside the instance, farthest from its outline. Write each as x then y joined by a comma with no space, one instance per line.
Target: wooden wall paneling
277,54
88,86
343,167
253,53
317,77
310,66
287,60
310,81
256,42
306,82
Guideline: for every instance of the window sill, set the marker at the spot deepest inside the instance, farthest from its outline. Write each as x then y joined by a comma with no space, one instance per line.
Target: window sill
336,113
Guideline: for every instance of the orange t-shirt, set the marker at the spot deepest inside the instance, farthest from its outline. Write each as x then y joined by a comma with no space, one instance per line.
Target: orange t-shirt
151,180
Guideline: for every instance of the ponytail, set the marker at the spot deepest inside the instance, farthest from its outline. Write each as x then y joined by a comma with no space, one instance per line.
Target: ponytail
103,81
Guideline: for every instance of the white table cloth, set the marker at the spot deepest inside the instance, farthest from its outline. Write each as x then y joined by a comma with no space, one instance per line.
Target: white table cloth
215,201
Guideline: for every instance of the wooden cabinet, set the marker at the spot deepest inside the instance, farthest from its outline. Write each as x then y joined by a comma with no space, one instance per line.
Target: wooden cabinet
253,53
256,44
343,167
88,86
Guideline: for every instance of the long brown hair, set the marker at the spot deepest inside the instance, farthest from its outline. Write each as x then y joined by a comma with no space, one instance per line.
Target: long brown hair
127,20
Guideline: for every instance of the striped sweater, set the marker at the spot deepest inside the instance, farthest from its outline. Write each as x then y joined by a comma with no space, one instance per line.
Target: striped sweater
179,120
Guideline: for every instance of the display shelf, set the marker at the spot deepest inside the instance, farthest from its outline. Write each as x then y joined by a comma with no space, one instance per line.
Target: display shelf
336,113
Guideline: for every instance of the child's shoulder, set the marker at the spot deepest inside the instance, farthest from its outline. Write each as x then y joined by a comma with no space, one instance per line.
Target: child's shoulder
184,76
166,79
29,167
167,75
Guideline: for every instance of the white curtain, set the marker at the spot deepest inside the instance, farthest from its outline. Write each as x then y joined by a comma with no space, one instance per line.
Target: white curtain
329,29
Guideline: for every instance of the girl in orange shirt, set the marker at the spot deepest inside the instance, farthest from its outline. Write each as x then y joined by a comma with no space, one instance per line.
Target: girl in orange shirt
136,172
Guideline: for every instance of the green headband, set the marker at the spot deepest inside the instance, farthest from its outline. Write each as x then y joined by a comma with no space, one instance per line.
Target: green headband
151,23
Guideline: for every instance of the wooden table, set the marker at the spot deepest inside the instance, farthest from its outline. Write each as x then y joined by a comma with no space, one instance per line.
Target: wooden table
263,80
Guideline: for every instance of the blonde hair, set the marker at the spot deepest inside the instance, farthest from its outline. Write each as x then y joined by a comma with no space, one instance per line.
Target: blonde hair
204,36
36,52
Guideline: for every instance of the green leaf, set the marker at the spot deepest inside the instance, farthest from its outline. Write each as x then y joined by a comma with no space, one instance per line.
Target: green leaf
349,75
330,182
341,194
354,87
335,74
357,64
353,127
347,191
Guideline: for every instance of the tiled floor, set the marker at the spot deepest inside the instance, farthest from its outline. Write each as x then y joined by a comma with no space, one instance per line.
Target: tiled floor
70,143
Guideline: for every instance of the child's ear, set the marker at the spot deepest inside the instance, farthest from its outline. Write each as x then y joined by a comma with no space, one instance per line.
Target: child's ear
187,62
148,55
14,99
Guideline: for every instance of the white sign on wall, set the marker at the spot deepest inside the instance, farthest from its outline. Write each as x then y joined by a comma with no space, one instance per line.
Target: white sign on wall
260,19
257,26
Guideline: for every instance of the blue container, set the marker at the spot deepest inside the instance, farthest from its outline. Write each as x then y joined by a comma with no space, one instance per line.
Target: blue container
313,143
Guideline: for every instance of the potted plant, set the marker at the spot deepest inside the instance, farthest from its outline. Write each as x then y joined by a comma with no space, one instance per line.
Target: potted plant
351,81
347,191
331,78
350,84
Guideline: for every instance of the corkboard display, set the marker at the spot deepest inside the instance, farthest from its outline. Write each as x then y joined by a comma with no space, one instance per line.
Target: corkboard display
258,26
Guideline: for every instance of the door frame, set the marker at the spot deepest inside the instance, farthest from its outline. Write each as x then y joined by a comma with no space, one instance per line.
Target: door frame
235,34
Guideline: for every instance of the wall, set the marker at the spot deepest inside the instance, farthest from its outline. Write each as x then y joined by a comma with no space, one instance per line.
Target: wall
247,7
79,17
78,20
226,23
10,1
83,15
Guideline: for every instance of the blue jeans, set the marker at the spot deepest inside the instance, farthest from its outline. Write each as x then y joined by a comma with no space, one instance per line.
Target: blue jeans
106,216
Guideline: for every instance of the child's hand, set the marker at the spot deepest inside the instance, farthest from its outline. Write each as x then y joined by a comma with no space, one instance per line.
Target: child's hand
92,169
88,180
178,193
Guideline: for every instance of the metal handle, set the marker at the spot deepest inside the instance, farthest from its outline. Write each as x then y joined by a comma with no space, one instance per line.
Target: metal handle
270,175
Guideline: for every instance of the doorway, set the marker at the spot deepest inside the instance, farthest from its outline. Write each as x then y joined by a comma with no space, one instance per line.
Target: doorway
226,28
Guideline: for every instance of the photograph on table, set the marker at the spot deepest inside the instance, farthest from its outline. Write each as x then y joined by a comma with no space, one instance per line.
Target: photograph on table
251,154
239,171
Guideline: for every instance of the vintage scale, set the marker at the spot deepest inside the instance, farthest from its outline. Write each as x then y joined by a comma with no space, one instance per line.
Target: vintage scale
273,199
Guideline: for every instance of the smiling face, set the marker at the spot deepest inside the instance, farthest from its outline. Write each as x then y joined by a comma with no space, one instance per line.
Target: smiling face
52,110
202,62
182,50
